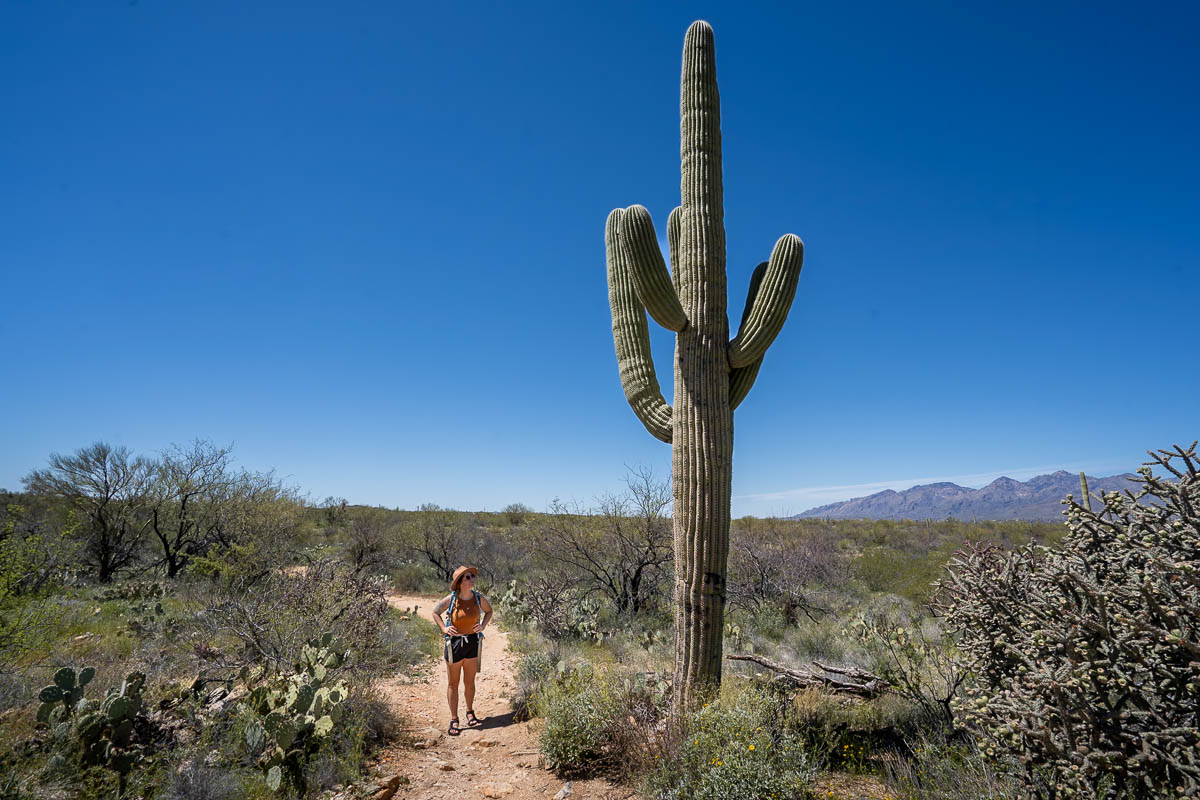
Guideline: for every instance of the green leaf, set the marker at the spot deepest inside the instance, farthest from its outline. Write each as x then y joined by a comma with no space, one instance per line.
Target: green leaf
274,778
85,675
43,713
323,726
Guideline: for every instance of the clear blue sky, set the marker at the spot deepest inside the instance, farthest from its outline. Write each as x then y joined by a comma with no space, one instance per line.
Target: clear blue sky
363,242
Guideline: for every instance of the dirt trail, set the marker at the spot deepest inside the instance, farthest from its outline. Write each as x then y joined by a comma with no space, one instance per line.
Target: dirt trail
498,760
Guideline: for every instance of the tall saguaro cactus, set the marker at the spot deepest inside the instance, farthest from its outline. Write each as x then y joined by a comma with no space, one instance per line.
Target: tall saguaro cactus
712,373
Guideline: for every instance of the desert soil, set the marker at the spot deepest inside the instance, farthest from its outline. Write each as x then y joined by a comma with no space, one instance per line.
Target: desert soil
500,759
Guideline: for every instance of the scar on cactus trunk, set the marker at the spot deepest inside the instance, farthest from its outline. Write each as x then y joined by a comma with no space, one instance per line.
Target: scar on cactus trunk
712,373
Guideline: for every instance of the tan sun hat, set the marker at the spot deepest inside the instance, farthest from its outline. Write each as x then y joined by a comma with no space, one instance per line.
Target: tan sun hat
458,576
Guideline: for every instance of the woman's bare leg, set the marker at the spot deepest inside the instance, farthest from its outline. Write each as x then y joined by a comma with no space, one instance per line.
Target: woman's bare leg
454,670
470,666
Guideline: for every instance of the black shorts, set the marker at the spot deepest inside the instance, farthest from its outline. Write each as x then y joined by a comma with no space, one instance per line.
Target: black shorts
460,647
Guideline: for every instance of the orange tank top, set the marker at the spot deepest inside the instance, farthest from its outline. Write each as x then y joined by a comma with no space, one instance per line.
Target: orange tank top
466,615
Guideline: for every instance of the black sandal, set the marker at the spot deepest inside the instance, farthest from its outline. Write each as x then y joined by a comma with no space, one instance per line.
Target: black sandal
472,720
453,729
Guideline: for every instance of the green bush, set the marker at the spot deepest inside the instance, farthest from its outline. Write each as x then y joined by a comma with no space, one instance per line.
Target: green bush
735,747
579,709
597,719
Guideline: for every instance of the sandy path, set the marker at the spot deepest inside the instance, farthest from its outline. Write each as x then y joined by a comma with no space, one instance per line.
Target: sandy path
500,759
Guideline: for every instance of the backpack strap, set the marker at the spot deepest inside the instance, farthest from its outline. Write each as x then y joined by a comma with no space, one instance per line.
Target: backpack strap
450,612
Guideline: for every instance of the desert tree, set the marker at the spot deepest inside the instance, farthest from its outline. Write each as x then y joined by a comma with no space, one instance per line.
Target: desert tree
254,529
516,513
623,550
372,538
109,489
437,535
189,486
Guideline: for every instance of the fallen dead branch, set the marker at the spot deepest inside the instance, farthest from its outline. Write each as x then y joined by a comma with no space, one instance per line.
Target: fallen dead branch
846,680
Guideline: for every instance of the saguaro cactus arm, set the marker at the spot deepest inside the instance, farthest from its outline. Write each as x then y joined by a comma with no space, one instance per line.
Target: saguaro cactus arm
742,378
673,244
631,338
772,302
654,285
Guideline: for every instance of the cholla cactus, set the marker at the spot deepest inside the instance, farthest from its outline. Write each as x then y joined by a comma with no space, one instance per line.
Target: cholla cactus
712,373
297,711
1086,659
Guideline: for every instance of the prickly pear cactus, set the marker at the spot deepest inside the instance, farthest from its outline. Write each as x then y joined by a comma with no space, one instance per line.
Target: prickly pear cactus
59,700
713,374
105,729
295,711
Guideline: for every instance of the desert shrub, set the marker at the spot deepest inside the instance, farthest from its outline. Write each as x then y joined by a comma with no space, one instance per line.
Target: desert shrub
736,746
554,606
819,640
30,555
620,550
910,652
270,618
515,513
1086,659
372,539
579,710
936,768
771,564
416,576
535,669
195,780
849,734
596,719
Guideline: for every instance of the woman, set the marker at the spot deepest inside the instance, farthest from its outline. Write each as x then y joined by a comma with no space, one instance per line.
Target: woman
462,615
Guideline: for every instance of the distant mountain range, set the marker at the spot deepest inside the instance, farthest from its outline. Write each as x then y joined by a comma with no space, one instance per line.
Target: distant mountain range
1038,498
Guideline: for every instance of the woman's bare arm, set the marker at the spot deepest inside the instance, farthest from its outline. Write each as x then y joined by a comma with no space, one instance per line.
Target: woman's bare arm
439,613
487,614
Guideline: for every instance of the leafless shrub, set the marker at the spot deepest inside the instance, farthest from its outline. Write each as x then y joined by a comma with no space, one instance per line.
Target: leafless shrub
441,537
271,618
623,550
373,538
196,780
771,565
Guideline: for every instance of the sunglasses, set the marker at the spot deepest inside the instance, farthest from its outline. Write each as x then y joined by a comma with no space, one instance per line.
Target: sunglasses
468,577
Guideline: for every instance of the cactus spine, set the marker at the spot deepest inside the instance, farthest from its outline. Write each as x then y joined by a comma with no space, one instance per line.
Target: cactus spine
712,373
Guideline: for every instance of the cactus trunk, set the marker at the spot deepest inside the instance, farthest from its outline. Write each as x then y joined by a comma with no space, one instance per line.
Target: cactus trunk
712,374
702,456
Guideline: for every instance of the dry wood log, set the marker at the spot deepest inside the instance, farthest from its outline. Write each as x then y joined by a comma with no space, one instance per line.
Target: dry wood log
855,681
